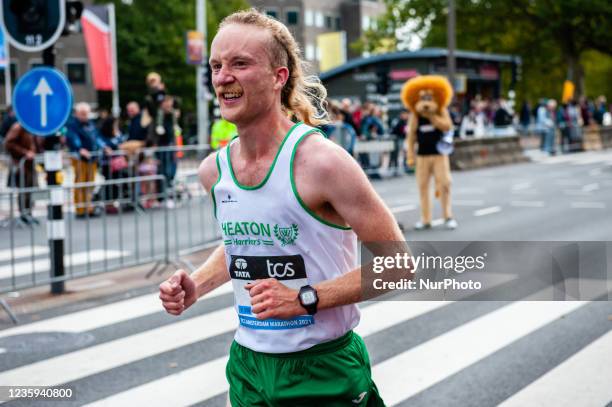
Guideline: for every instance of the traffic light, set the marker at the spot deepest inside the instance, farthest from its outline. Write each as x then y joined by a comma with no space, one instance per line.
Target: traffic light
74,9
207,77
33,25
383,81
31,15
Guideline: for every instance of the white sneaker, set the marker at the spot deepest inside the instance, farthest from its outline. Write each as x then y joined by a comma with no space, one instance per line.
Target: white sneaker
422,226
170,204
451,224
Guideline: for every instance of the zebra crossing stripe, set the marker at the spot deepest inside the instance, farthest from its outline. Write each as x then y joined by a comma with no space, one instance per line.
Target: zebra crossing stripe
23,251
376,317
69,367
86,320
581,380
76,259
109,355
206,380
447,354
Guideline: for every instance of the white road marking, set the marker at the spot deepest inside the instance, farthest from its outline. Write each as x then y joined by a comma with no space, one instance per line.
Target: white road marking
588,205
576,192
81,363
487,211
581,380
77,259
528,204
467,202
437,222
403,208
23,251
521,186
441,357
568,182
595,172
98,317
590,187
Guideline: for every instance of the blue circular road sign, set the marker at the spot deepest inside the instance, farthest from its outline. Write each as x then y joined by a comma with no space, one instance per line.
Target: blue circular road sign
42,101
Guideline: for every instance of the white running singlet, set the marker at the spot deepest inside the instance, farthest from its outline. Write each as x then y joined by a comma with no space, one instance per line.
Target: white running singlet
269,232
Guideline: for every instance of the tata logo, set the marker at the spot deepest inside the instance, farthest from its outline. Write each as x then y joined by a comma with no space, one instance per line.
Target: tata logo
240,264
280,270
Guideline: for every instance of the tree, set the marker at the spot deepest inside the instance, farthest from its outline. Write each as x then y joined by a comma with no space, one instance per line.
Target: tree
551,36
151,37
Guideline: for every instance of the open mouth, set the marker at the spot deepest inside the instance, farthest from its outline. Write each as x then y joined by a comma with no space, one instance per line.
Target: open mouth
231,96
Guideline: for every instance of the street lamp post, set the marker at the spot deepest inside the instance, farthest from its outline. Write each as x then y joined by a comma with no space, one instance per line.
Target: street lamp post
450,42
202,91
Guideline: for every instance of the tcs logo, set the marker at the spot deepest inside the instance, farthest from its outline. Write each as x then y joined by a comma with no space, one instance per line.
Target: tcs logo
280,270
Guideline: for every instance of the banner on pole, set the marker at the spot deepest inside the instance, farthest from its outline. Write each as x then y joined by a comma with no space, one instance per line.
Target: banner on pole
194,47
96,30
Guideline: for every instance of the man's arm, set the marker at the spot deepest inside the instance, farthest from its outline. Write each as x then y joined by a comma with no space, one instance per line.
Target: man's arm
182,290
353,199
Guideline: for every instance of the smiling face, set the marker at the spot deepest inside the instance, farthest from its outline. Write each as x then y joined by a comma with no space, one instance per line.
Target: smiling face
247,86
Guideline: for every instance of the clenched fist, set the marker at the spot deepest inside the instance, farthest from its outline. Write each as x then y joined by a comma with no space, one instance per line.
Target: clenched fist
178,293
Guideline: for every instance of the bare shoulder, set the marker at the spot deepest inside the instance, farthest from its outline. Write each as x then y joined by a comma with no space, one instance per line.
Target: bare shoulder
208,171
321,159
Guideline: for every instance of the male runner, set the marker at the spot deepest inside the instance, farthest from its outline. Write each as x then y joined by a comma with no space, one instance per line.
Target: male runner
291,206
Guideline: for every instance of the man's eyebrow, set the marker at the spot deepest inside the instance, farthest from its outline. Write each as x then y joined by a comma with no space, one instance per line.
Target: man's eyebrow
235,57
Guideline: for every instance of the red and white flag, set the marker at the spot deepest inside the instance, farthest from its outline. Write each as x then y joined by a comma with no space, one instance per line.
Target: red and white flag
97,33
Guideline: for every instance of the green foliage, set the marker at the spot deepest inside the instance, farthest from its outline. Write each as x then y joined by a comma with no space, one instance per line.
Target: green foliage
555,38
151,37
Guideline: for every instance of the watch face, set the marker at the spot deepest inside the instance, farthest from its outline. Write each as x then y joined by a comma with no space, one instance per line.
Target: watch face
308,297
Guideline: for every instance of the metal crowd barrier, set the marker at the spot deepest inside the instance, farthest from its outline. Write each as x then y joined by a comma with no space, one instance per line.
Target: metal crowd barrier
124,222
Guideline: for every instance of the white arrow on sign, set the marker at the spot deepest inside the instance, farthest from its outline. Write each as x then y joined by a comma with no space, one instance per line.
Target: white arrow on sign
43,90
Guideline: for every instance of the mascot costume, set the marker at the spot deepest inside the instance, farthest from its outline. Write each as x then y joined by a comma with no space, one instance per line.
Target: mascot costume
430,126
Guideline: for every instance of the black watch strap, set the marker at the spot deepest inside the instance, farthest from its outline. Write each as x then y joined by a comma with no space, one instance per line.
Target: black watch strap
311,307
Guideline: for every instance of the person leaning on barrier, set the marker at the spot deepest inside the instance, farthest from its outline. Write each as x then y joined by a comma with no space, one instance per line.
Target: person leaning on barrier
114,166
85,144
7,121
291,205
20,145
164,137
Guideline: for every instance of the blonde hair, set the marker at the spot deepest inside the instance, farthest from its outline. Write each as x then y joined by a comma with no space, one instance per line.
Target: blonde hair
302,96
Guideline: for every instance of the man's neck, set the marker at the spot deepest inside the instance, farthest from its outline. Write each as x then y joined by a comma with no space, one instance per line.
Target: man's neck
262,137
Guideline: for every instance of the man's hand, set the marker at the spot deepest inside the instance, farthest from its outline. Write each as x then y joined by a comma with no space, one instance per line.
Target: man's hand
178,293
85,153
30,155
272,299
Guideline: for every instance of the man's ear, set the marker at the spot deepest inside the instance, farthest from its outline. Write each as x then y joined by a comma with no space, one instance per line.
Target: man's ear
282,76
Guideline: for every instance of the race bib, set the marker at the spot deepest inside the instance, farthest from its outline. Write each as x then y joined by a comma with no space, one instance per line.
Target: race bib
289,270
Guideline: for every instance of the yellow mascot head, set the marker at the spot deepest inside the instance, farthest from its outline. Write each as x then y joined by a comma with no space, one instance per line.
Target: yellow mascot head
431,93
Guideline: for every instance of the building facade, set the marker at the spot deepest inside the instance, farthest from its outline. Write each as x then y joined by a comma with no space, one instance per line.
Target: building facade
307,19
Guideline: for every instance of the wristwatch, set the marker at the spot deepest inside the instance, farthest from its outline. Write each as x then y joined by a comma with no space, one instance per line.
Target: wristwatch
309,299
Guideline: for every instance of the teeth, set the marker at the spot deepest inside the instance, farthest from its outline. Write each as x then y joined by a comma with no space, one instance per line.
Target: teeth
232,95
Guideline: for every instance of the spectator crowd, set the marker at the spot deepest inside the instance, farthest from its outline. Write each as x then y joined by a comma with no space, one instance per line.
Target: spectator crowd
559,127
94,139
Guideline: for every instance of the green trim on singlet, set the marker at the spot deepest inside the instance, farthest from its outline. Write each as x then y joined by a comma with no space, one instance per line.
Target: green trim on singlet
212,190
263,182
295,191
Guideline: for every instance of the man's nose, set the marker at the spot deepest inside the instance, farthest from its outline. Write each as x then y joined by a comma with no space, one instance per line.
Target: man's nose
222,77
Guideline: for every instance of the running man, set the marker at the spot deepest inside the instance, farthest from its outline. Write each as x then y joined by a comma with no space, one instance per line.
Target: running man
290,205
